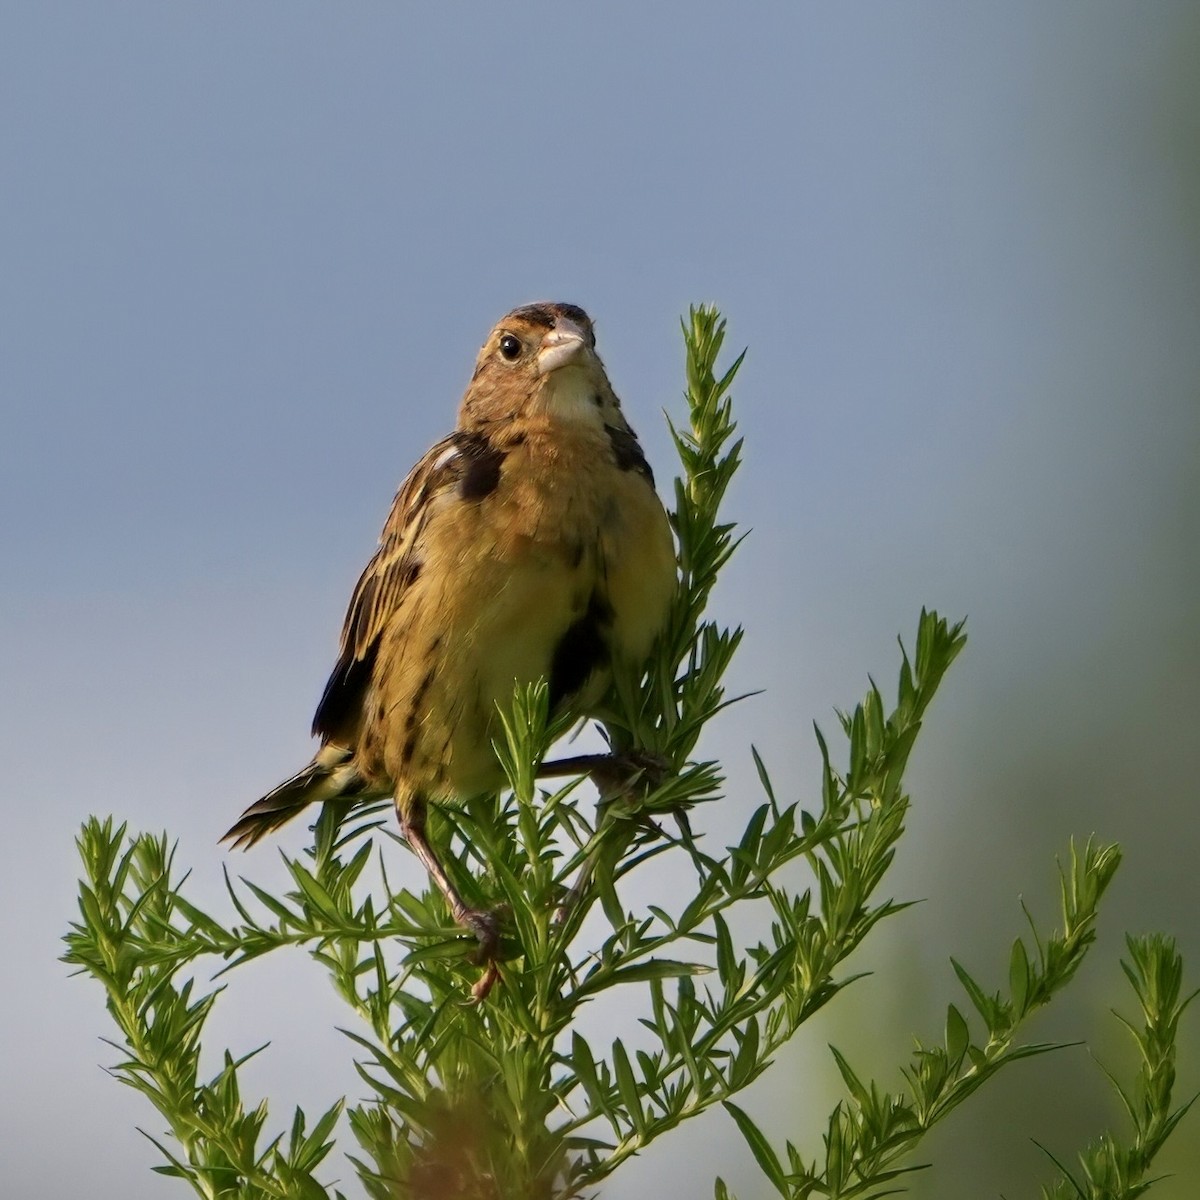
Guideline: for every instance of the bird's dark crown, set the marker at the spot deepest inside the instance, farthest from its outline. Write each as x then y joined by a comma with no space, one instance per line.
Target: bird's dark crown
546,314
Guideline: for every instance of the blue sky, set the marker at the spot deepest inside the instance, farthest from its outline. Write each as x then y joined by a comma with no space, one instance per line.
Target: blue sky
246,258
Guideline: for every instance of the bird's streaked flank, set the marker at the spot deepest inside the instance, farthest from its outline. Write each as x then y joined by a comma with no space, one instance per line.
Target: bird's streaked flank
528,544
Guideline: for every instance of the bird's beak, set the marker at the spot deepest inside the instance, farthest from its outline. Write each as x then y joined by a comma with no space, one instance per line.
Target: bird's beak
565,344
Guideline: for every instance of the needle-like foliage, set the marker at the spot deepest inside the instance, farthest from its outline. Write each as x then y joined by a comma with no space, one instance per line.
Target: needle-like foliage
507,1098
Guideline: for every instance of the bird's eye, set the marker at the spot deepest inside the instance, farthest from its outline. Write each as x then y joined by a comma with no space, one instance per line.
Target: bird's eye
510,347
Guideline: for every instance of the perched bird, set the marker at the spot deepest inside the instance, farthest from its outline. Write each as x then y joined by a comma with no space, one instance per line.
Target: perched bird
529,543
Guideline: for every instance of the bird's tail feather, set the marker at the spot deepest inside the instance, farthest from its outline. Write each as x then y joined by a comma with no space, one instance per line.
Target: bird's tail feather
331,774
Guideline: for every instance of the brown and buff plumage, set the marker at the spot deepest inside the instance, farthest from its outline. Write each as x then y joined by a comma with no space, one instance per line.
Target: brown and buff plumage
529,543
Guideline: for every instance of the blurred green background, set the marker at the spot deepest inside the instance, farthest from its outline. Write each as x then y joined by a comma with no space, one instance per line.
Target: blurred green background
246,257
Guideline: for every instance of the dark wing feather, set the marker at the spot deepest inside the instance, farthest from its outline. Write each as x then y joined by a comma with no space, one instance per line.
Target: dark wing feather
379,591
627,452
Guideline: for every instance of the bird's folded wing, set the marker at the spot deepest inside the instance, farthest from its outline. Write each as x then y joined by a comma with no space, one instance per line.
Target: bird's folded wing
392,569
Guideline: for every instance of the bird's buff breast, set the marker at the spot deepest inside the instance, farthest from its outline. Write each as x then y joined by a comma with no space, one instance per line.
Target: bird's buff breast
503,580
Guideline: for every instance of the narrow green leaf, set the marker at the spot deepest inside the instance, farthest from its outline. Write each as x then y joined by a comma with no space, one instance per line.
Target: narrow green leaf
766,1158
640,972
628,1088
584,1066
1018,977
855,1085
958,1036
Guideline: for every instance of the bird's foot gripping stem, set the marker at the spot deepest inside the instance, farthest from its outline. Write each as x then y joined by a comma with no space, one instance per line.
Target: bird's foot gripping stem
614,775
632,775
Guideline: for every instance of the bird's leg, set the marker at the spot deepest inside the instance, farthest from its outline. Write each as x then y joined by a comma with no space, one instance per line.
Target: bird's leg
579,764
480,922
613,774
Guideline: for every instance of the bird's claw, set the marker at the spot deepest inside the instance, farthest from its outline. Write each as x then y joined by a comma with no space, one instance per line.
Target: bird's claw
632,770
484,984
485,925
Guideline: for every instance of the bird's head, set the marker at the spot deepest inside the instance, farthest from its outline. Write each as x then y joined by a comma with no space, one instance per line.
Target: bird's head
540,360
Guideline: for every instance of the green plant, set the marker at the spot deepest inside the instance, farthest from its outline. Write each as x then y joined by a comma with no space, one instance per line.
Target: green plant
508,1098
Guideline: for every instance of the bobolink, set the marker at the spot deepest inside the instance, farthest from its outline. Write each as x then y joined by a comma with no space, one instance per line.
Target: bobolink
529,543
